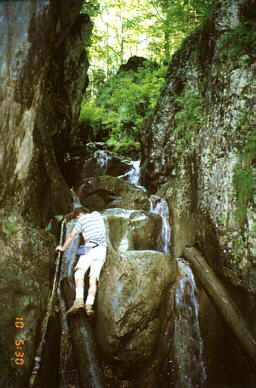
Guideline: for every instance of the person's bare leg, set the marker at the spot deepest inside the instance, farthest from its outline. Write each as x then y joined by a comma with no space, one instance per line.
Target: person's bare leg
91,295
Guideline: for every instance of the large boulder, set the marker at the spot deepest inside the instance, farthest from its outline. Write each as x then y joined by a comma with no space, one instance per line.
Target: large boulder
130,306
133,229
99,193
99,162
26,267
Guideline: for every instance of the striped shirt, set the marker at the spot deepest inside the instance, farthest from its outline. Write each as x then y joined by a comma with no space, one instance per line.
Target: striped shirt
92,227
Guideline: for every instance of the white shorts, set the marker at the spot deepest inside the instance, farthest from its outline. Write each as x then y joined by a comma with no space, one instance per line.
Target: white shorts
94,259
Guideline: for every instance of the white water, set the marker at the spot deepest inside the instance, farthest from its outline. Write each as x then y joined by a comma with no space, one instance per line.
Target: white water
134,174
159,206
187,336
76,200
102,158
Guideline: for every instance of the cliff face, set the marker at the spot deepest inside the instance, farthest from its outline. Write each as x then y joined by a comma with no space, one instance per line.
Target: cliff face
43,75
36,47
199,147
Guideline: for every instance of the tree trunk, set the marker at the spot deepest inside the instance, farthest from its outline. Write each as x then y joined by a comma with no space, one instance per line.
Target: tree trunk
91,375
223,303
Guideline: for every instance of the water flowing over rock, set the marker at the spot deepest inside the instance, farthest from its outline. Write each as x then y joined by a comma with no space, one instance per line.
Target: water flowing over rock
99,162
133,229
198,150
188,371
159,206
134,175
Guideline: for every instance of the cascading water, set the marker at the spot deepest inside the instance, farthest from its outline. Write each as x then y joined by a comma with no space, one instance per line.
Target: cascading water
76,200
102,158
133,175
159,206
188,361
183,366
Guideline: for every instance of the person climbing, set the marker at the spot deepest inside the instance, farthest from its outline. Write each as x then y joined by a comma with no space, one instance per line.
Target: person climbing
92,227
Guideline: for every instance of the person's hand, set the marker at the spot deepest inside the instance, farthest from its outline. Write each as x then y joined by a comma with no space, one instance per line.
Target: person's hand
59,248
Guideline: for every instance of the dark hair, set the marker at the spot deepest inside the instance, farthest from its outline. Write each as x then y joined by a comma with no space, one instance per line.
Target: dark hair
79,210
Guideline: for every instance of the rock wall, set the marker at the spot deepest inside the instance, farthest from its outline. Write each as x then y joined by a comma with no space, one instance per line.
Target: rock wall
26,267
43,76
199,146
37,50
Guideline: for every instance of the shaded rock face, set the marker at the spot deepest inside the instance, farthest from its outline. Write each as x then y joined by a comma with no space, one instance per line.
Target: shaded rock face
130,302
198,148
26,266
41,42
35,35
99,162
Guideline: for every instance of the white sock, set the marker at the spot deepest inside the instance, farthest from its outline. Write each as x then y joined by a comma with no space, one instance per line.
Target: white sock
90,299
79,292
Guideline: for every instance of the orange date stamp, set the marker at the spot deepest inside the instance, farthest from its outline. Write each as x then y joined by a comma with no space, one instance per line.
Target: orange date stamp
19,351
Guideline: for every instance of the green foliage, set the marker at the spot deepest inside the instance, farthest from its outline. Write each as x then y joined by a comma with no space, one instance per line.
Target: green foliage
240,41
123,102
188,120
245,179
91,116
125,146
90,7
8,224
149,28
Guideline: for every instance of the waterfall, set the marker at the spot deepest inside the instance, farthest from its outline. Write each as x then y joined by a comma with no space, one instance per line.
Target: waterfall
188,355
134,174
159,206
102,158
76,200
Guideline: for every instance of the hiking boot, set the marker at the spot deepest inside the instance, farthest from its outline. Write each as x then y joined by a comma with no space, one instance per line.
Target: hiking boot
89,309
78,304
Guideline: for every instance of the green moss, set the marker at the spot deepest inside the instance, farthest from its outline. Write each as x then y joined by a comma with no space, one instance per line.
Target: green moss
8,224
189,119
238,248
240,42
244,177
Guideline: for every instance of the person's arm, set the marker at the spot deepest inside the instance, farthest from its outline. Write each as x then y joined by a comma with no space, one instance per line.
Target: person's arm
67,242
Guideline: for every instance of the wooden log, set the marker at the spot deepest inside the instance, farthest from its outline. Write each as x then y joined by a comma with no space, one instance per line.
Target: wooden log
223,303
90,371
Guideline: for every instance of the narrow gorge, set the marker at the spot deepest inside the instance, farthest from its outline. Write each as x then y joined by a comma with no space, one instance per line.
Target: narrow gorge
191,184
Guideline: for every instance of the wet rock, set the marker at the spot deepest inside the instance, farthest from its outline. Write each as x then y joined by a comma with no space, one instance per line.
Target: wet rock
133,229
99,193
130,303
100,162
26,266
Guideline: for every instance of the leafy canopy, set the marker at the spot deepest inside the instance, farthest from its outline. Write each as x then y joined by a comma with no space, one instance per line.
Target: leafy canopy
116,103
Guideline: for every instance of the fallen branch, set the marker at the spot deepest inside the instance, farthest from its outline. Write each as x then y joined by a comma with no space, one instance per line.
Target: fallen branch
223,303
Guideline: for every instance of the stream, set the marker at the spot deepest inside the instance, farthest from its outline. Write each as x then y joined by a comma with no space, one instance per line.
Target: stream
182,371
